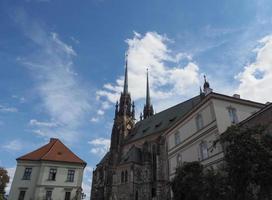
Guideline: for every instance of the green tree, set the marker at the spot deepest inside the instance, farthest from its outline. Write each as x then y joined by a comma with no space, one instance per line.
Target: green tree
188,181
248,162
4,180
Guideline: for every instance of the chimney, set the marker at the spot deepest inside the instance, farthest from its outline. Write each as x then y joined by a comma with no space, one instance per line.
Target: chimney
53,139
237,96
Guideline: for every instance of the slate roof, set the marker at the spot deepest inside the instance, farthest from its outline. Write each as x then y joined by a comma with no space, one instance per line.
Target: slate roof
162,120
55,150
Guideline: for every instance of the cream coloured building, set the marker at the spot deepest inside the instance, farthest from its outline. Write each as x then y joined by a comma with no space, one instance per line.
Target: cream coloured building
52,172
192,137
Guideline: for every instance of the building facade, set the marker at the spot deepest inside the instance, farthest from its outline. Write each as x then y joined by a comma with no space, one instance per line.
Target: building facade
143,155
52,172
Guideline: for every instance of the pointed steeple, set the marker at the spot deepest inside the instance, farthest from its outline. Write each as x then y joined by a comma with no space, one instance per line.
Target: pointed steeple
148,108
147,90
126,76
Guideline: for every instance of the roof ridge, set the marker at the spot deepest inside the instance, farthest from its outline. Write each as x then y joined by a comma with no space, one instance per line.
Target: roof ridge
54,142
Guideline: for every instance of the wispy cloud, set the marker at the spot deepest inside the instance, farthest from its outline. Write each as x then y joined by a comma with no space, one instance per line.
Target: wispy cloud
169,79
8,109
99,146
34,122
63,98
87,181
13,145
255,79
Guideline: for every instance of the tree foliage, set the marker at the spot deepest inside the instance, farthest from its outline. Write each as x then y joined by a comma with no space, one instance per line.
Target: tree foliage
4,180
246,172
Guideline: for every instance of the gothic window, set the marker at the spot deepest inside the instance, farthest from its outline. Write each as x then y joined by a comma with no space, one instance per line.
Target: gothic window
203,150
199,122
126,176
136,195
122,177
233,115
27,173
177,138
154,162
52,174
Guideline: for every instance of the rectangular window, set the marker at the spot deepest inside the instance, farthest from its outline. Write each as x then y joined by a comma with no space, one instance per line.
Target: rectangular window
70,175
48,195
22,195
179,159
27,173
199,122
177,138
52,174
204,150
233,115
67,195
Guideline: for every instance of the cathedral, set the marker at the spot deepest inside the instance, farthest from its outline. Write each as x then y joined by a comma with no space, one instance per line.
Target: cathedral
135,166
144,155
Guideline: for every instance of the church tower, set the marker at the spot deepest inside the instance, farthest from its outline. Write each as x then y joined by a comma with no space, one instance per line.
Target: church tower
124,115
148,108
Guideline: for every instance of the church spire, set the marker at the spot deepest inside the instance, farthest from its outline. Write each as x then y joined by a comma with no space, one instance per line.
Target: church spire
126,77
148,108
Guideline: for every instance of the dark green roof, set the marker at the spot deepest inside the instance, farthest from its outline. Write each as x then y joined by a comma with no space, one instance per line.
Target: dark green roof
162,120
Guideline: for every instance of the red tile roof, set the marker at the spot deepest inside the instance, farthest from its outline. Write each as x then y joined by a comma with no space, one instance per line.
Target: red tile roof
55,150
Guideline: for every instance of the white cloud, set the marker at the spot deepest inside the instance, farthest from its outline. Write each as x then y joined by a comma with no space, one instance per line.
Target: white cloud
64,99
14,145
169,80
34,122
7,109
87,181
11,172
255,79
94,119
99,146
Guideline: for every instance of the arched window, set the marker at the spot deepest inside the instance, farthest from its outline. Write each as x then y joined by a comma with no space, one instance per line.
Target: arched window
126,176
122,177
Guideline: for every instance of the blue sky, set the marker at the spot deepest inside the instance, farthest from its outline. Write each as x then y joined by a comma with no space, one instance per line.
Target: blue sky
62,64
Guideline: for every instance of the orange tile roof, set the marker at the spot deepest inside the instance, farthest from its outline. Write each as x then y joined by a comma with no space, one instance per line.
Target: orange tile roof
55,150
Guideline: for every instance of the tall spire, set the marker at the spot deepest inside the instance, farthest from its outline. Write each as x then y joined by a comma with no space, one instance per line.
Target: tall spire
126,77
148,108
147,89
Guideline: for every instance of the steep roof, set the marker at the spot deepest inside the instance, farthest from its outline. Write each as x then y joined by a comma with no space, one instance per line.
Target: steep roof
55,150
163,120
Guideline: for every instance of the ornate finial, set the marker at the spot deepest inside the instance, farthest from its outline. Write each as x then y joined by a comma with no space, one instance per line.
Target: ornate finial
200,90
141,116
206,83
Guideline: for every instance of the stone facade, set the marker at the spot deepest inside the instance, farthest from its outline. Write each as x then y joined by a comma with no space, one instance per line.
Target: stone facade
143,155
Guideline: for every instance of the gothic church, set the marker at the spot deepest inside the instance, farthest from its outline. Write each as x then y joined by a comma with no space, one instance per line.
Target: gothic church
135,167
